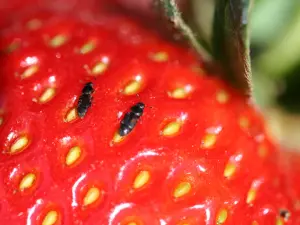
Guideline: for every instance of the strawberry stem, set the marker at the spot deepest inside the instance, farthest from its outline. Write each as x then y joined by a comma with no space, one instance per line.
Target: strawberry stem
173,13
230,41
229,45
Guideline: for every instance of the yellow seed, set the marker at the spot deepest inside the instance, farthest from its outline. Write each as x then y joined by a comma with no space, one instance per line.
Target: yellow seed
58,40
132,223
254,223
171,128
262,151
27,181
12,47
141,179
251,196
88,47
117,138
229,170
178,93
279,221
209,141
1,120
132,88
182,189
222,97
222,216
71,115
160,57
99,68
91,196
51,218
47,95
73,155
19,145
244,122
34,24
29,71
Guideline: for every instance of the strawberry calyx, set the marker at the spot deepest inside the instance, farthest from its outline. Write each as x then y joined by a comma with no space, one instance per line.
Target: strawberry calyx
228,48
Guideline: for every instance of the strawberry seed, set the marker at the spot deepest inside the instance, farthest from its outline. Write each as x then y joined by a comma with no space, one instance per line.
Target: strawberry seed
222,216
27,181
73,155
182,189
51,218
92,195
19,145
141,179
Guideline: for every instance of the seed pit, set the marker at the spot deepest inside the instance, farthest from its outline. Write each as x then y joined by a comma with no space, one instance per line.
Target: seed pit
133,87
1,120
27,181
19,145
229,170
251,195
47,95
182,189
222,97
12,46
30,71
100,67
131,220
92,195
132,223
262,151
209,141
51,218
73,155
34,24
181,92
71,115
279,221
222,216
244,122
88,47
58,40
141,179
178,93
172,128
159,56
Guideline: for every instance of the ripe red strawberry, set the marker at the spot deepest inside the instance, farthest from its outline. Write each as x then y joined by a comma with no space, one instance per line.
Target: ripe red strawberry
198,154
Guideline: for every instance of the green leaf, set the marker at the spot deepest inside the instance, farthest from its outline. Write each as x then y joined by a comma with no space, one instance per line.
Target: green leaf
230,41
287,48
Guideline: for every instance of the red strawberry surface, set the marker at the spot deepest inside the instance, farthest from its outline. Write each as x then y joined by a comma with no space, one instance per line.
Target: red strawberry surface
198,154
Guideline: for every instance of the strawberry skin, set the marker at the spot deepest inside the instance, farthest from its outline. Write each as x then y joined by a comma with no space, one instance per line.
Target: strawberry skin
198,154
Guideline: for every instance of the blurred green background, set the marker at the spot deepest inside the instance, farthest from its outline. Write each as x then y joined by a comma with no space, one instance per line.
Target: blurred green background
275,52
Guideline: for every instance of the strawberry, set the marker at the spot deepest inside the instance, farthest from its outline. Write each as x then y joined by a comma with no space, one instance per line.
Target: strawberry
104,122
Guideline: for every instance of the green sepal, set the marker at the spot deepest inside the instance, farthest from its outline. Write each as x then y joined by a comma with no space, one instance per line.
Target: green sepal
230,41
229,44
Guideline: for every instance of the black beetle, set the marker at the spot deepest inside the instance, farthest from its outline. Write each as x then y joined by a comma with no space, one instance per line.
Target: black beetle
130,119
85,99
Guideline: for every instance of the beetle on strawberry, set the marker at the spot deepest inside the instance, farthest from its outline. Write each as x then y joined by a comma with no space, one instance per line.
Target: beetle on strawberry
105,122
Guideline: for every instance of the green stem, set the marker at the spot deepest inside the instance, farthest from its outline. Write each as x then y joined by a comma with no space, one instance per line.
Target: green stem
172,11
